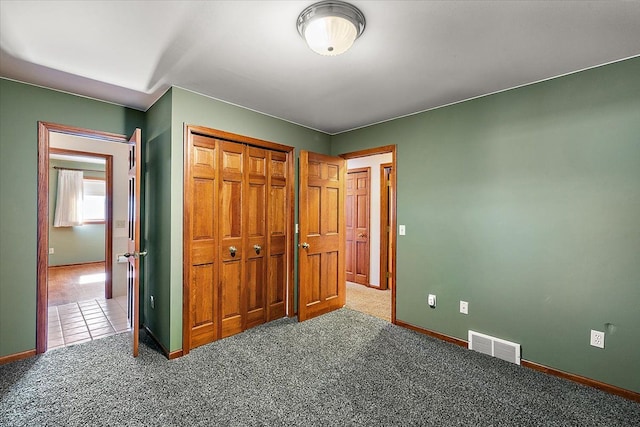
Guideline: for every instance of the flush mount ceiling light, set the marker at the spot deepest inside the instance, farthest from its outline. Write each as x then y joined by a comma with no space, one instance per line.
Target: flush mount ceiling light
330,27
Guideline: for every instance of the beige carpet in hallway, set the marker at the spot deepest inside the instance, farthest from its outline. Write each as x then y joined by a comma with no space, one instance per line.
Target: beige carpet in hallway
369,300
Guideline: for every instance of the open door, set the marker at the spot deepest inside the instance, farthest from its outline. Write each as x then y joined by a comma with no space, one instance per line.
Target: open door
321,268
133,250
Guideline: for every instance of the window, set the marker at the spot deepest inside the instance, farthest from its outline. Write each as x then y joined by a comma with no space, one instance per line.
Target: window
95,195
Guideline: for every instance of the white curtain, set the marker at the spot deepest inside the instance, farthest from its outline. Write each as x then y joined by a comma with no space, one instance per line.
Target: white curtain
69,199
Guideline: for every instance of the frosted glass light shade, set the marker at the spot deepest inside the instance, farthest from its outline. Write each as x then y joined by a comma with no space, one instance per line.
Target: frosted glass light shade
330,27
330,35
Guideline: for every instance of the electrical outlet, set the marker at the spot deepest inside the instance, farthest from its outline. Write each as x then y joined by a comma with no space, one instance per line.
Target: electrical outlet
431,300
597,339
153,301
464,307
51,251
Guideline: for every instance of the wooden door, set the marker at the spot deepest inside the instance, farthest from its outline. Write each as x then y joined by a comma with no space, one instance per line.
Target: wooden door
232,251
133,247
237,220
357,225
322,235
255,221
200,243
277,231
386,248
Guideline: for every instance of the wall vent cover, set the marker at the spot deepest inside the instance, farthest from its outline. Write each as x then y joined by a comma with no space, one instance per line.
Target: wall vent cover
496,347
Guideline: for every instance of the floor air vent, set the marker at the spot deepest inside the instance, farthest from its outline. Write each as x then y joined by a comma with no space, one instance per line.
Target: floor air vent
505,350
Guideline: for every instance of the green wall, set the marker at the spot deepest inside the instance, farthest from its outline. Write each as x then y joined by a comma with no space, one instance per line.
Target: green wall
526,204
157,220
73,245
21,107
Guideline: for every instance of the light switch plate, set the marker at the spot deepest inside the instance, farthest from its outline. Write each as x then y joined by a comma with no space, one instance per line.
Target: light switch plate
402,230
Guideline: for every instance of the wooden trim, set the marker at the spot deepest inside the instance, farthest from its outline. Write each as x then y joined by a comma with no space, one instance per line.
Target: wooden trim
232,137
168,354
44,131
108,231
17,356
627,394
369,152
175,354
87,133
60,168
434,334
42,300
394,227
394,224
186,243
291,177
75,265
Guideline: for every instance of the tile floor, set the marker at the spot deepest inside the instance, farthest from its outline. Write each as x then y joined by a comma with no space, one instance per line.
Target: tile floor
78,311
83,321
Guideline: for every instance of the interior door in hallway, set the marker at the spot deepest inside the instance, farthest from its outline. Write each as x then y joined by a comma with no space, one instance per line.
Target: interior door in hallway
322,235
357,225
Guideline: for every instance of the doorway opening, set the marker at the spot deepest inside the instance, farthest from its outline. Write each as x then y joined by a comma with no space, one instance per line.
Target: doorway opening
371,231
80,285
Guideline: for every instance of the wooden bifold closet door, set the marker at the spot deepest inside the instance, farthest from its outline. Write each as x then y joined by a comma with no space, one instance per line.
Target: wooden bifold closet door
236,212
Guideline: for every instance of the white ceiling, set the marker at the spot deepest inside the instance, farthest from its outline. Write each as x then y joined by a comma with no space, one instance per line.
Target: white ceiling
413,55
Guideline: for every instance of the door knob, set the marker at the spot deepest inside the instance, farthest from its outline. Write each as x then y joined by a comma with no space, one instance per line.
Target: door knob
304,245
362,235
233,250
257,248
134,254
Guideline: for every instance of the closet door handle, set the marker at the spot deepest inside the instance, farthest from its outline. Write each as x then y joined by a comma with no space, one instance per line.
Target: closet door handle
304,245
233,250
257,248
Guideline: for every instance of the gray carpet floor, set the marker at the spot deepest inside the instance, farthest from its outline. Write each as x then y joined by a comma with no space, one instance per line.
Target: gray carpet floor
344,368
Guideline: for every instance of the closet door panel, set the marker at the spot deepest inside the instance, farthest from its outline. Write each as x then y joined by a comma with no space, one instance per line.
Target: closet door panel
255,270
231,289
277,232
202,305
232,251
255,215
201,227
